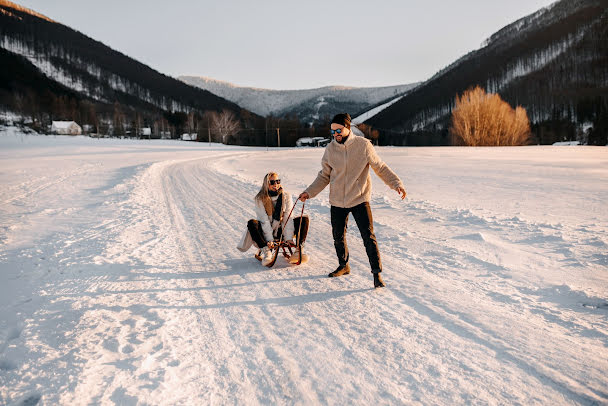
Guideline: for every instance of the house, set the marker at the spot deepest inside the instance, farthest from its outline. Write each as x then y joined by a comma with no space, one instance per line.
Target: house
66,128
189,137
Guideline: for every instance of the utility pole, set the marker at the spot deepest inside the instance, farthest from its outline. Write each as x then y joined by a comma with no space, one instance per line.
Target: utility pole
278,138
266,132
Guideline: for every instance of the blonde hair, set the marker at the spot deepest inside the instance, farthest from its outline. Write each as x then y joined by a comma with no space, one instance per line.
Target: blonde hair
263,195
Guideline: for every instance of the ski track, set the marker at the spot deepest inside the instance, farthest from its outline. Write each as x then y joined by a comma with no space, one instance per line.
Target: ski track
177,315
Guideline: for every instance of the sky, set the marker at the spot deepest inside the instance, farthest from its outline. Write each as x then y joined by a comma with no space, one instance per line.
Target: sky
284,44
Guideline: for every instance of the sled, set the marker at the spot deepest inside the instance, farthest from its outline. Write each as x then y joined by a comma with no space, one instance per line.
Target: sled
286,246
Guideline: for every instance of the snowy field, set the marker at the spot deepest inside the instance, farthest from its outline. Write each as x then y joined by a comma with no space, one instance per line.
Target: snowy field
120,282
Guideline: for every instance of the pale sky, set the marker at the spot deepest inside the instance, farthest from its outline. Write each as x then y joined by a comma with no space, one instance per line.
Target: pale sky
284,44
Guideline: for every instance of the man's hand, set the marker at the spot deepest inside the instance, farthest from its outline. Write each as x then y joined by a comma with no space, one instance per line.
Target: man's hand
303,196
401,191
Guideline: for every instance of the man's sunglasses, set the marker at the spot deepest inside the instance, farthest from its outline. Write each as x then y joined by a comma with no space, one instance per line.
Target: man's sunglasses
338,131
275,181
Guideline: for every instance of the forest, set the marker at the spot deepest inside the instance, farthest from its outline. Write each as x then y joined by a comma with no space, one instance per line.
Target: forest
552,63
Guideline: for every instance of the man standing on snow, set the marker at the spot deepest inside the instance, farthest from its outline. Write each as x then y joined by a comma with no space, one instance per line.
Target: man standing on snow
345,167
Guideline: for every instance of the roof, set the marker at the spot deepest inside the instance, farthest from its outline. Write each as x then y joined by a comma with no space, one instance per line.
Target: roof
63,124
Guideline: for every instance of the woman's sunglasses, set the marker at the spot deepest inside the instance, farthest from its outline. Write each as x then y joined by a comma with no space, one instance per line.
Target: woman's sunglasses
338,131
275,181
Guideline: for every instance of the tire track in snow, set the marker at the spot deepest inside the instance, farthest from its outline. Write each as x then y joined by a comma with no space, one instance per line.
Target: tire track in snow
216,225
335,338
43,184
199,319
448,261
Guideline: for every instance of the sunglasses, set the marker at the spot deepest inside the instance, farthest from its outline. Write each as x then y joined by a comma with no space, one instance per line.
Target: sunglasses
275,181
338,131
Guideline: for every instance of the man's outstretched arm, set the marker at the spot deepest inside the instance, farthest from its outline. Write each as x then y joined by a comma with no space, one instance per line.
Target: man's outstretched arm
384,172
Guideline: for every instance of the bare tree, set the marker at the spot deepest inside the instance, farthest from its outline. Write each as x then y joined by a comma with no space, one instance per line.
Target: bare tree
191,124
369,132
207,118
483,119
118,121
224,125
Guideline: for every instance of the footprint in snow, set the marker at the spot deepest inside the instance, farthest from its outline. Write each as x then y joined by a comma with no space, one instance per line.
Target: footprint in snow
603,306
13,333
127,349
7,365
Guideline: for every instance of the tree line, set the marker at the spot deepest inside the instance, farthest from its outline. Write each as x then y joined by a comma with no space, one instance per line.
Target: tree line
555,69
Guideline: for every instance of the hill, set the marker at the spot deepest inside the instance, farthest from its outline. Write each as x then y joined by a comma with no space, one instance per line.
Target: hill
552,62
309,105
88,76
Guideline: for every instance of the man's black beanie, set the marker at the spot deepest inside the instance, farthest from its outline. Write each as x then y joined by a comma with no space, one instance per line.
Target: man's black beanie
342,119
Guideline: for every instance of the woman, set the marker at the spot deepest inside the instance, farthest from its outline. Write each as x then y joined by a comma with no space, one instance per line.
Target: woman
272,207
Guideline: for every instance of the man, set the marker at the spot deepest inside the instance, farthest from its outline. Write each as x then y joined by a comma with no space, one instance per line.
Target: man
345,166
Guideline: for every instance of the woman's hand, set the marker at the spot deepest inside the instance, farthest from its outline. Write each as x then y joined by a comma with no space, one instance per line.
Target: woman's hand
303,196
401,191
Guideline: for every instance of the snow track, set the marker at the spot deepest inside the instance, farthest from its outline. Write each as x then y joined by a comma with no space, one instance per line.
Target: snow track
156,306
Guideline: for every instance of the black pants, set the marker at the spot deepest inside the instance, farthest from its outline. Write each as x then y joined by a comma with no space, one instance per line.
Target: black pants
363,217
255,229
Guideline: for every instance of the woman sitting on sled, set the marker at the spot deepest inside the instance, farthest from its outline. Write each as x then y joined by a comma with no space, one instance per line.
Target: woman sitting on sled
272,208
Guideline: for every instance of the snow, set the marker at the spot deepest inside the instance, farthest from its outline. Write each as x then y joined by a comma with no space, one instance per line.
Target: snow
534,62
120,282
267,101
63,125
47,64
566,143
372,112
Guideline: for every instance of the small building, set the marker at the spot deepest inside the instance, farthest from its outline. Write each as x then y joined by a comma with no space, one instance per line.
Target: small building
189,137
66,128
312,142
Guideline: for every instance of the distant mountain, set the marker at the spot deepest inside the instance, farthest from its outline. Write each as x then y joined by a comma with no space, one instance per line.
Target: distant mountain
310,105
85,71
552,62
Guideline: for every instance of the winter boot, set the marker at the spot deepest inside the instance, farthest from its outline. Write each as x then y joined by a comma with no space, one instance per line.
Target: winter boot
293,258
341,270
266,256
258,255
378,282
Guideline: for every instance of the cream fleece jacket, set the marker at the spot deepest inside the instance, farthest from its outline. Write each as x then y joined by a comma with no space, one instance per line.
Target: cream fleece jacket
345,167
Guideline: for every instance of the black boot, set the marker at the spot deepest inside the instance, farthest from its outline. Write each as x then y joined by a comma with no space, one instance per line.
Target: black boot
378,282
341,270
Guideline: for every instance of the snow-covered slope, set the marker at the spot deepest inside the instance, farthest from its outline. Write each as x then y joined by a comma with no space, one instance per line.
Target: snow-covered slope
548,62
120,282
309,104
375,110
93,70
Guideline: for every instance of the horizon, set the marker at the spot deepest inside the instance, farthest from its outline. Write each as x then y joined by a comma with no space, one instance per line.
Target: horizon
397,53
